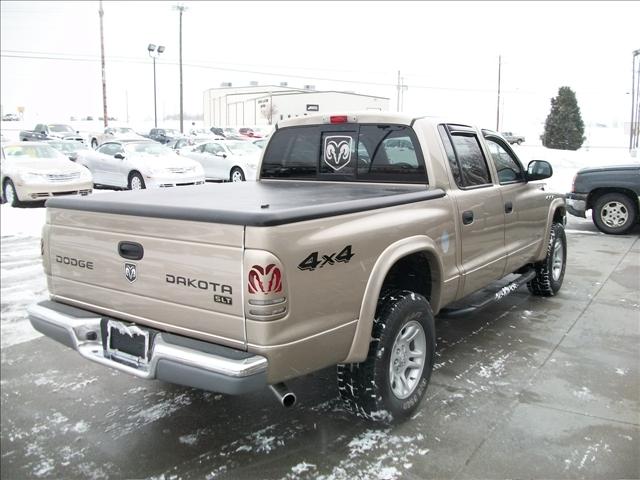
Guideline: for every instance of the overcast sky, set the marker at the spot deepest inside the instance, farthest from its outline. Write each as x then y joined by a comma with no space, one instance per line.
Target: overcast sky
447,53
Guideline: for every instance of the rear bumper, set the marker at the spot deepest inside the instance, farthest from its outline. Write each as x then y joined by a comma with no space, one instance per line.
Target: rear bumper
577,204
173,358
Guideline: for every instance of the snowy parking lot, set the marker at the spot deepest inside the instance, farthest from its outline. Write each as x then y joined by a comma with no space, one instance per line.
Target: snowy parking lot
530,387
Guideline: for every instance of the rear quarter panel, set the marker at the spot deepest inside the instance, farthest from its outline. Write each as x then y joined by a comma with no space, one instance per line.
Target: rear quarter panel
325,303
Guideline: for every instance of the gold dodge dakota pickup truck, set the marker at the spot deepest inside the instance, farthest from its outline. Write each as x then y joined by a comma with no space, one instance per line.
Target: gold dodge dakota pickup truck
360,228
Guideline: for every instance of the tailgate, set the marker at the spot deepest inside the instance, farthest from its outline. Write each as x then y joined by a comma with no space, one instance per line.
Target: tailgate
187,281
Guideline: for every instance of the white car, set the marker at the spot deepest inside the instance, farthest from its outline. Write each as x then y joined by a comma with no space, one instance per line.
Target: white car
232,160
139,164
113,133
32,171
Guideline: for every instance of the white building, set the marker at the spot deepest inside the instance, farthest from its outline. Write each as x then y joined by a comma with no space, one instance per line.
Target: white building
262,105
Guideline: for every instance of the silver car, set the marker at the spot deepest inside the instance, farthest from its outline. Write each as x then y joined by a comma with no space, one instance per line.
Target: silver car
140,164
227,160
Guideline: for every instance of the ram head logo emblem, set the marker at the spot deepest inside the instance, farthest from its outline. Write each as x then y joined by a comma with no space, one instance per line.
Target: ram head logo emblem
337,151
130,272
265,280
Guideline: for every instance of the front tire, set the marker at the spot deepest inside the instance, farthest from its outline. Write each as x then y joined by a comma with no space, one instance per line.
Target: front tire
237,175
391,382
614,213
550,271
136,182
9,194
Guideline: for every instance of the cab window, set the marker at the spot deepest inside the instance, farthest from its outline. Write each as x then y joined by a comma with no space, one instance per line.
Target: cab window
507,165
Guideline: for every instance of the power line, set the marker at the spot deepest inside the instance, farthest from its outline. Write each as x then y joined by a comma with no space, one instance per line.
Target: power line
238,70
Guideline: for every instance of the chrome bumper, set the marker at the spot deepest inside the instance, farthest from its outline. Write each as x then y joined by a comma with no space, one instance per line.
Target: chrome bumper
173,359
577,204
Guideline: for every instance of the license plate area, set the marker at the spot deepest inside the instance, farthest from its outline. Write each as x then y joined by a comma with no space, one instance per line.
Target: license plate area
127,343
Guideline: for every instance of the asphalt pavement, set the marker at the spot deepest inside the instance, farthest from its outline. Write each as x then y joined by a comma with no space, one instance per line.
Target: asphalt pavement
529,388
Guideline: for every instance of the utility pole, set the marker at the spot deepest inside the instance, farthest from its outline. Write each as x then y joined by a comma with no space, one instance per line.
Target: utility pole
181,8
104,78
634,126
398,89
498,112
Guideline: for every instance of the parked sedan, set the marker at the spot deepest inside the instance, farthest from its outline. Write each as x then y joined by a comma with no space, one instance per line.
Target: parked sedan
113,133
138,164
68,147
33,171
233,160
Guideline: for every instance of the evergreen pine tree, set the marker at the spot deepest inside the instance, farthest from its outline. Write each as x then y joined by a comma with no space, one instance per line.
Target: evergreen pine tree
564,128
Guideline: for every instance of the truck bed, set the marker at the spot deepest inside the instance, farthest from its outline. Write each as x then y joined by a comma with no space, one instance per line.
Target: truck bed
264,203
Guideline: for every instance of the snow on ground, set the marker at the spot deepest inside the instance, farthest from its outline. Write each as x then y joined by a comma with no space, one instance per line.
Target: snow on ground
24,222
21,278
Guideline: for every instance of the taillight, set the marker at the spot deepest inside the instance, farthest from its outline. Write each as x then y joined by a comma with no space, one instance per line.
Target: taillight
338,119
266,289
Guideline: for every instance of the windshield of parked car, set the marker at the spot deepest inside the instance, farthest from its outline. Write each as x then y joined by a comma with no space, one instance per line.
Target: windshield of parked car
124,130
171,133
61,128
67,147
239,147
147,148
29,152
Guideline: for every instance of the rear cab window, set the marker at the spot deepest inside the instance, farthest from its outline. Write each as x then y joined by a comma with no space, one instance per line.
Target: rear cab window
345,152
466,159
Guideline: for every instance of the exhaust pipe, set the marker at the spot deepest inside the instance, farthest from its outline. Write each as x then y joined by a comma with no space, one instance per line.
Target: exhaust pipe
285,396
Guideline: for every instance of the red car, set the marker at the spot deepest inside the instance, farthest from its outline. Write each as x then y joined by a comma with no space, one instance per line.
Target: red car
248,132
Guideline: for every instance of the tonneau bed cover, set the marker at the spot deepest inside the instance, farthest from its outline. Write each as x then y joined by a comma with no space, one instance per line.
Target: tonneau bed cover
263,203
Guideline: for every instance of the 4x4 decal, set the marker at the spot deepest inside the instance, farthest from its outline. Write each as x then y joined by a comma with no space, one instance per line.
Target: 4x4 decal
314,261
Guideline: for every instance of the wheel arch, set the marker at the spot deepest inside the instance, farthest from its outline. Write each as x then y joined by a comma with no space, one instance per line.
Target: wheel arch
557,214
596,193
400,255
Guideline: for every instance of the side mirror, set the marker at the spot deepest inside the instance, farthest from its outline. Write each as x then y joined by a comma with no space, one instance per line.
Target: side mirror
73,157
539,170
119,156
222,155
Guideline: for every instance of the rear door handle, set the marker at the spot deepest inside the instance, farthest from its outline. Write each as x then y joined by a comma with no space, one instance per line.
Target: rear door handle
467,217
130,250
508,207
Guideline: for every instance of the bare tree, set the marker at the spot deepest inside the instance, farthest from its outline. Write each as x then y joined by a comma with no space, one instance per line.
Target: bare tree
269,112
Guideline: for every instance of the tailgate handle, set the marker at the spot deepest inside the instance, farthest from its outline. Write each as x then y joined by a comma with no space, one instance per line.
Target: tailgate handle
130,250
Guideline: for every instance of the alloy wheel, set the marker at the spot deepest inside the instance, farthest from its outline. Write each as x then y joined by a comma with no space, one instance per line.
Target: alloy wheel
407,359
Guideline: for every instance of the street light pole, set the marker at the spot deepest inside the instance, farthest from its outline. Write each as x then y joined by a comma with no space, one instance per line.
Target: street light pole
104,78
154,52
181,8
498,111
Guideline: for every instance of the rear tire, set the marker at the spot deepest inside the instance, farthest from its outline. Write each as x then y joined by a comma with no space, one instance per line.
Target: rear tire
550,271
614,213
391,382
136,182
